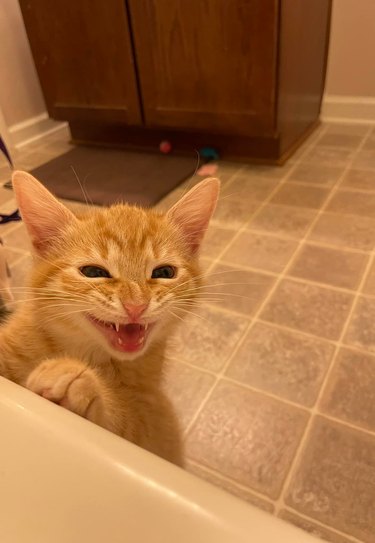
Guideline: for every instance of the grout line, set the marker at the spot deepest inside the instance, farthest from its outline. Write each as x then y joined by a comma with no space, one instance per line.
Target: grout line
324,244
369,192
284,328
281,399
271,291
294,331
294,278
23,252
17,224
320,524
18,260
353,216
339,344
227,479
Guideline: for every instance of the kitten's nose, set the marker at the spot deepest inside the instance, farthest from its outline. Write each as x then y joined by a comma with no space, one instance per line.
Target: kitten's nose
135,311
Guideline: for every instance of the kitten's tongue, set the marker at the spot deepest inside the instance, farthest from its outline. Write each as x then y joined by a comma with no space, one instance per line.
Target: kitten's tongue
130,337
131,333
125,337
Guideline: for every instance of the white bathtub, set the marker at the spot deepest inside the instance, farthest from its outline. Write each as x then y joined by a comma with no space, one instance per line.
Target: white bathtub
65,480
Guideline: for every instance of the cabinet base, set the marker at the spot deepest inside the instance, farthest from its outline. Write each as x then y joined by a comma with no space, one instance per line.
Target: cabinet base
237,148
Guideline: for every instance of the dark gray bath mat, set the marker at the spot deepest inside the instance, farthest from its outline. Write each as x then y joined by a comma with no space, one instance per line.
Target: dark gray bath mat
110,175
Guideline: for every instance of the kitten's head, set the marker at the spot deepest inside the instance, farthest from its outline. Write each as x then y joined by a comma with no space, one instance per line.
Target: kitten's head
117,276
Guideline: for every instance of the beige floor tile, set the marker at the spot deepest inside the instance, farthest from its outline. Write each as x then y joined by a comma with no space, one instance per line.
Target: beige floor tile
238,290
346,128
335,156
238,491
257,171
302,150
350,394
317,310
252,188
260,251
18,238
186,387
313,528
8,205
316,174
208,341
12,255
227,170
234,212
20,271
365,160
3,161
247,437
369,286
349,141
345,231
292,194
335,480
5,174
215,241
354,203
361,331
359,179
284,363
331,266
283,220
5,196
369,144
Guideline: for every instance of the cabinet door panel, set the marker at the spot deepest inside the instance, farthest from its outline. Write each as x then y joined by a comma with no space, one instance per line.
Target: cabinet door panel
82,51
207,64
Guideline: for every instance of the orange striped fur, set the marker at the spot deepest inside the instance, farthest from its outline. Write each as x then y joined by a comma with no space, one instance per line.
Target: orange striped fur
50,346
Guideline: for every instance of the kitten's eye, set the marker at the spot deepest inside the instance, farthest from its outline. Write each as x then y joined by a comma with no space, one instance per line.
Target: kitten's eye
94,271
164,272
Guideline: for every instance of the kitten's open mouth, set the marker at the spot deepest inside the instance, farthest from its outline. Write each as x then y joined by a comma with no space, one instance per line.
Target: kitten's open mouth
128,338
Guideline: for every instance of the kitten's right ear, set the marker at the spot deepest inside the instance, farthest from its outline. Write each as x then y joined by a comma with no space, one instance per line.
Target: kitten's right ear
44,216
193,212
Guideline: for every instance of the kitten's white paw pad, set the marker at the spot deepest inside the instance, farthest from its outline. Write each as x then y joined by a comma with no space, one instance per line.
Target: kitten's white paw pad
69,384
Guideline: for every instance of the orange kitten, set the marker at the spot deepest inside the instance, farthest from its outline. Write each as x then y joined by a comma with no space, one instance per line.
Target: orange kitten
106,290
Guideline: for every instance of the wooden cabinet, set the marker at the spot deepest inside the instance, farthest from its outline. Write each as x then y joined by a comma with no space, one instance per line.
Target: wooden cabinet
244,76
83,54
207,64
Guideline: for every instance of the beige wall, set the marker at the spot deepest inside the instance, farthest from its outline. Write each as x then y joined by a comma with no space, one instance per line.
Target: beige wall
351,61
20,94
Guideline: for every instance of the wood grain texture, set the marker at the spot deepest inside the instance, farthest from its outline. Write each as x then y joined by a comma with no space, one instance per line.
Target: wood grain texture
82,51
303,49
207,64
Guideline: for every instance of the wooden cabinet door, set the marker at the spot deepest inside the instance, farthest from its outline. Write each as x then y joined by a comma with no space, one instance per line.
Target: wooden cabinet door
207,64
82,51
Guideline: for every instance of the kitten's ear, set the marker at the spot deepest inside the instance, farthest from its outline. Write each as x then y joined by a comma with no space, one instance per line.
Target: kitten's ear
44,216
193,212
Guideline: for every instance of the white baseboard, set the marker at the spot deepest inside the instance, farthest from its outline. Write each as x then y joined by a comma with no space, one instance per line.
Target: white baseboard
358,109
33,129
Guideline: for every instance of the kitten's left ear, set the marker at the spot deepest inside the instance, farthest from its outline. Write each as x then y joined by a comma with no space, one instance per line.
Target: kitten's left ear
193,212
44,216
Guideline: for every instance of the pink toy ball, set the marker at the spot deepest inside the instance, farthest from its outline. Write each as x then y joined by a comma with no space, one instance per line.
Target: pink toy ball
165,147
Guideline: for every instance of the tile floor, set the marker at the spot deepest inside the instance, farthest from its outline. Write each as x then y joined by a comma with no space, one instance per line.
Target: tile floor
275,383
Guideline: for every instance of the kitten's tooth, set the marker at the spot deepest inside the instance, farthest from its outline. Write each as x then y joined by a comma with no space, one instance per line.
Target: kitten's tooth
117,326
119,341
146,326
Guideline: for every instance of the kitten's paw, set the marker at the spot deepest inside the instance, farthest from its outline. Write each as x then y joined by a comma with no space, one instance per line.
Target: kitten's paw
70,384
